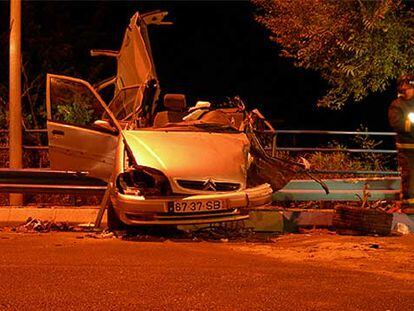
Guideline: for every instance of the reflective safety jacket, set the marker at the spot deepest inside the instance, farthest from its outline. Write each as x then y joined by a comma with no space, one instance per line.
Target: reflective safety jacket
398,119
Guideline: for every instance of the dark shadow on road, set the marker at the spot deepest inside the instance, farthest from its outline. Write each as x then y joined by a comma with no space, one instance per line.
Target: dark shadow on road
219,233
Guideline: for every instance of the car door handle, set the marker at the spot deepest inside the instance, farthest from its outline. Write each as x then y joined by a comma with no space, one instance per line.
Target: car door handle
58,132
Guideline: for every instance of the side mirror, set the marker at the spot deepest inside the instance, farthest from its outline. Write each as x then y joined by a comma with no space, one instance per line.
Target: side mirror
105,125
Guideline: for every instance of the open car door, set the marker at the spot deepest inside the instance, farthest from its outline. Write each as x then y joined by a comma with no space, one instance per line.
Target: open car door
136,83
79,140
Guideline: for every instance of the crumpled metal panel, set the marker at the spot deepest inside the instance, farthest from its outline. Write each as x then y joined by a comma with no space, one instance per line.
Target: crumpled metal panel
267,169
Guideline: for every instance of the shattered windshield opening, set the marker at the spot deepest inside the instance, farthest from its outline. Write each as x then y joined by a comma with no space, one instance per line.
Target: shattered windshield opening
219,120
212,118
197,126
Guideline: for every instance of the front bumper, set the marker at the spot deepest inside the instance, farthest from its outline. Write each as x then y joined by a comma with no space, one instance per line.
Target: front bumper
133,210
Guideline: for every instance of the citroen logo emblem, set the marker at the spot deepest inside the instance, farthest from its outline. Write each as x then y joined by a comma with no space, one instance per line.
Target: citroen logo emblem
209,185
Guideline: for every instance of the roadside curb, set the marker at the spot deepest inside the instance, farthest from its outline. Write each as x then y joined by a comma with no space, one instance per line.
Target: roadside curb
13,216
261,220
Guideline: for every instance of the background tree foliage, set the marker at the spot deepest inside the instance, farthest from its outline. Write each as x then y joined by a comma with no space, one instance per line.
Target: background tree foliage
59,44
357,46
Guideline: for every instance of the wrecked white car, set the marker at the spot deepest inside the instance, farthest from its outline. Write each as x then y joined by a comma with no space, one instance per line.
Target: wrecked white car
165,163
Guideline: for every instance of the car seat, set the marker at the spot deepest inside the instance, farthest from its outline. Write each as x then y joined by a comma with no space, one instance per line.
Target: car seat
175,105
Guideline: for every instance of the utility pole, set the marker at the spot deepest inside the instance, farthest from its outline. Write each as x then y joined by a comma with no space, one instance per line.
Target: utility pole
15,94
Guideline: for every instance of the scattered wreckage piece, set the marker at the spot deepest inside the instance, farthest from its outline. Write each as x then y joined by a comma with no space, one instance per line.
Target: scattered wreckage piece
37,225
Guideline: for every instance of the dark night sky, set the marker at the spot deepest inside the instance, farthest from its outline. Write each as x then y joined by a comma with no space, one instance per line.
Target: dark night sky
213,49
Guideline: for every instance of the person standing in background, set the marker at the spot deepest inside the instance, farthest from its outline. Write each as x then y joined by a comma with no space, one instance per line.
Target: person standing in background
401,119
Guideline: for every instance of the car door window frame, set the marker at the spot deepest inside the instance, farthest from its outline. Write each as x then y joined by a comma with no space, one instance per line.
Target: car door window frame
94,93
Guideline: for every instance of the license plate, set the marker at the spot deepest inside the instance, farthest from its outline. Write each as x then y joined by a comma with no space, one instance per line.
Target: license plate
194,206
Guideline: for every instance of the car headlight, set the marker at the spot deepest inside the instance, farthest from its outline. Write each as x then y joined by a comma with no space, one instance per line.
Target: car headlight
144,181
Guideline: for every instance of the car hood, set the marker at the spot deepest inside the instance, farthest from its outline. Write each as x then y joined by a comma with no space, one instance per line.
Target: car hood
192,155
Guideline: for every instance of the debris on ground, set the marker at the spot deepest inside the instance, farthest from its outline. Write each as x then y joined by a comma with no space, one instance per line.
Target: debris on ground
374,245
87,227
316,231
401,228
37,225
43,226
106,234
146,238
221,232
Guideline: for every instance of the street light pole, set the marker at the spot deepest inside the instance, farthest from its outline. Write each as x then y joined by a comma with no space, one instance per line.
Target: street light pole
15,105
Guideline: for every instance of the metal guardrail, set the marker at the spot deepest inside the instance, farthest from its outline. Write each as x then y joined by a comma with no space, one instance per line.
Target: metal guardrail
318,132
27,147
49,181
354,172
337,150
27,131
275,148
335,132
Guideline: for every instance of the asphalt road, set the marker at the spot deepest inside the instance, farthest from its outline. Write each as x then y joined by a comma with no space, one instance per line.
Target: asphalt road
56,271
